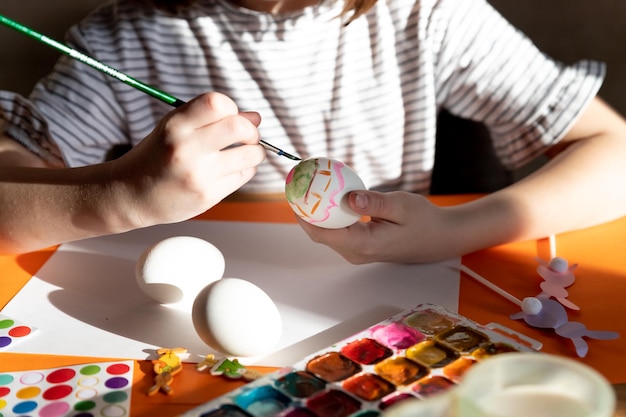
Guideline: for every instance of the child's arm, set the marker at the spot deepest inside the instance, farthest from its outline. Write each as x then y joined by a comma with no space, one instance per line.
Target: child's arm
584,184
179,171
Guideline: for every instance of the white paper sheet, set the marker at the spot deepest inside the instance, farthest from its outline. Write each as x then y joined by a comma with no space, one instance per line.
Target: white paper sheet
85,300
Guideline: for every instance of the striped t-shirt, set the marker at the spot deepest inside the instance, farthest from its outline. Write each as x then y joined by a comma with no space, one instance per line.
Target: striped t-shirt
367,94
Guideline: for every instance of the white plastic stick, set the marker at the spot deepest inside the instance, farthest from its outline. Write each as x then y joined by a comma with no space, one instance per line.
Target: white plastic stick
491,285
552,240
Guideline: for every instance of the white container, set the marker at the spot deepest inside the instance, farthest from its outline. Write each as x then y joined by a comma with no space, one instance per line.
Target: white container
538,385
520,385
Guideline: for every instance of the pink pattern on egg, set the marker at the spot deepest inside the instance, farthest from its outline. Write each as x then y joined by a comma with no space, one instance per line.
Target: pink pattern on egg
336,166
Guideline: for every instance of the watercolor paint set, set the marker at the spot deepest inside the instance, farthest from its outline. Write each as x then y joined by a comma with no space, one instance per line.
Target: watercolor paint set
416,353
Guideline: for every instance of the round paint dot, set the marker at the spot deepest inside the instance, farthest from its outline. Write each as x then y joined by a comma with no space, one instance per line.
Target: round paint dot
56,409
4,391
86,393
6,379
3,404
115,397
57,392
6,323
32,378
84,405
116,383
28,393
5,341
113,410
24,407
20,331
118,369
90,381
90,370
61,375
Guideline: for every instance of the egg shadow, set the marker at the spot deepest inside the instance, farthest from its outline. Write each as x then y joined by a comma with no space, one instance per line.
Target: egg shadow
111,300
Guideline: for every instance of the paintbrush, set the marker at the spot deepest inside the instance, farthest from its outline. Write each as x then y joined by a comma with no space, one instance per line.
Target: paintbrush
126,79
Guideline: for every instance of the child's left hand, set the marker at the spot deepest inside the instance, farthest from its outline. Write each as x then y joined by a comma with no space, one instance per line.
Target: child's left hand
404,228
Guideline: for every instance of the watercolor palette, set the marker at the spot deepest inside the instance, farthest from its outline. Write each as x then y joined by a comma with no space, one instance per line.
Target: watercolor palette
88,390
415,353
13,331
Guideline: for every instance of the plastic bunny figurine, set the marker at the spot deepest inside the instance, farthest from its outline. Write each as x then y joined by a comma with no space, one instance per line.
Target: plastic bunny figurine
557,276
546,313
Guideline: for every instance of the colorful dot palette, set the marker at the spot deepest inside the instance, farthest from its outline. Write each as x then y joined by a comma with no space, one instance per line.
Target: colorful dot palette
13,331
89,390
414,354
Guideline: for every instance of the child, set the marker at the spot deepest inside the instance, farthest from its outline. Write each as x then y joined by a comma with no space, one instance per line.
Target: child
358,81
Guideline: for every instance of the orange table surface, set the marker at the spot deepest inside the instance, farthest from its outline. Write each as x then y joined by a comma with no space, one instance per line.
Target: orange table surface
599,290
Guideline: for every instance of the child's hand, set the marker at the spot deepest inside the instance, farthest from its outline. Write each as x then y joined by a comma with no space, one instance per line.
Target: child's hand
404,228
183,167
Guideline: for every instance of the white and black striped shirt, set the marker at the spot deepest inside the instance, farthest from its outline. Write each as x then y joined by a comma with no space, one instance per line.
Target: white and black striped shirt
367,94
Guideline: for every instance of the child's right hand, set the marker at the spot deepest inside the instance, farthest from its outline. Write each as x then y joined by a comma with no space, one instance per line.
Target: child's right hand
183,167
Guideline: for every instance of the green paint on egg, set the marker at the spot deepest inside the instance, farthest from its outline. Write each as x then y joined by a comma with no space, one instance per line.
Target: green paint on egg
300,179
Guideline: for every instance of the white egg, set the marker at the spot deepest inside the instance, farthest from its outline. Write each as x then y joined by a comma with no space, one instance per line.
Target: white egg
316,189
174,270
237,318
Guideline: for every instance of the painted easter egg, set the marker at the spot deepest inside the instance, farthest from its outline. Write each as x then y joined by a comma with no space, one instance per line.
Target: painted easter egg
315,190
237,318
174,270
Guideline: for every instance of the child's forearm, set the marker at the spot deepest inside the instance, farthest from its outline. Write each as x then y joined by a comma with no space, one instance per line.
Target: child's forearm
41,207
583,186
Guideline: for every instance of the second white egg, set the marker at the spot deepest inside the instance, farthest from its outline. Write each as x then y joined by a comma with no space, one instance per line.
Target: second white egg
174,270
236,317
